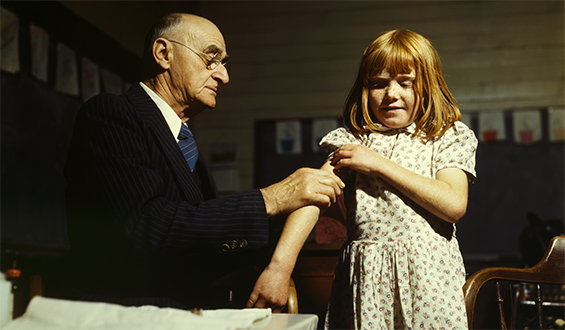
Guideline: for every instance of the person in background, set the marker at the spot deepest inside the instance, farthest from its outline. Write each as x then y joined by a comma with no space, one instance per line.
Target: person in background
407,160
145,223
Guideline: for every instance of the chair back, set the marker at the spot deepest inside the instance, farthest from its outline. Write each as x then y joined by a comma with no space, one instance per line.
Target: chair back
550,270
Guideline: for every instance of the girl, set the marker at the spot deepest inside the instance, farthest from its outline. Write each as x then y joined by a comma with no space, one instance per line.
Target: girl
406,159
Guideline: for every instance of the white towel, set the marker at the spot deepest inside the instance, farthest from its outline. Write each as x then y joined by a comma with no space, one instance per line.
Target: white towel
47,313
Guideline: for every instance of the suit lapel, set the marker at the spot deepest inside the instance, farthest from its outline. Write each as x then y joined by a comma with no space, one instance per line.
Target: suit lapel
165,141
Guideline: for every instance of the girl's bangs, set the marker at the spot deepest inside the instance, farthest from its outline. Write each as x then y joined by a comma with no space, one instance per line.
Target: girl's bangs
396,60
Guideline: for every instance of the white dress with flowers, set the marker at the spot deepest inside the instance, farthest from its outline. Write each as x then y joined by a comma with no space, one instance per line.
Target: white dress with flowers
401,267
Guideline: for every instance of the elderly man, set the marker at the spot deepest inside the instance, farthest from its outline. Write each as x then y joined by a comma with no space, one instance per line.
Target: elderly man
145,223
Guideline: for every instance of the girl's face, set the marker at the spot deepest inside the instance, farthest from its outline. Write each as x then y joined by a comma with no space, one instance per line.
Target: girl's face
393,99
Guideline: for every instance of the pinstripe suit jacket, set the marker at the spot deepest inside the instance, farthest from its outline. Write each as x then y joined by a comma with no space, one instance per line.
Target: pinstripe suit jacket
142,228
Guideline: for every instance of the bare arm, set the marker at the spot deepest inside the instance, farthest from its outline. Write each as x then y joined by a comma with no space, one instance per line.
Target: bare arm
445,196
271,288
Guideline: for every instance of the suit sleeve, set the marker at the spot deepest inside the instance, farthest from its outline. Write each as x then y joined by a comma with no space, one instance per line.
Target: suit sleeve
120,185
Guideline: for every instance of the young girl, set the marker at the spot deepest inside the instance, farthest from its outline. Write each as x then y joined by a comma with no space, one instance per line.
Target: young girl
406,159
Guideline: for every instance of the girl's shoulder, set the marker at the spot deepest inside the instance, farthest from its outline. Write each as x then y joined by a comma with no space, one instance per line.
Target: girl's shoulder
339,134
337,138
459,130
459,134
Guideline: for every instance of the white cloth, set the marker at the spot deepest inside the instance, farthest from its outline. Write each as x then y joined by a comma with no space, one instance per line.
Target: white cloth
47,313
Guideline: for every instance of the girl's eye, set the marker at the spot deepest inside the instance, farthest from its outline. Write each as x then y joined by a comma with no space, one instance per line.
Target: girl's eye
379,85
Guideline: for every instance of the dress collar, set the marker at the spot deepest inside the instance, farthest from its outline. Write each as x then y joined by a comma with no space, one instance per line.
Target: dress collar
410,129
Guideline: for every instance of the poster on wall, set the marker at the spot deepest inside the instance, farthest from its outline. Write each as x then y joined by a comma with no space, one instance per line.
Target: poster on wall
10,59
66,74
113,83
223,162
39,52
527,126
90,79
321,127
491,126
556,125
289,137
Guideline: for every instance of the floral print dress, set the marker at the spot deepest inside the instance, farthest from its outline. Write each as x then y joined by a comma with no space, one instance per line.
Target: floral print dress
401,267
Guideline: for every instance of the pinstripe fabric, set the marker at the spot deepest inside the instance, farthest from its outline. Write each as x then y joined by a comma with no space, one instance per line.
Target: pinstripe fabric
134,208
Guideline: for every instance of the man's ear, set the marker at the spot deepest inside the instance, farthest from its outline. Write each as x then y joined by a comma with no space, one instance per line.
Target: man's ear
161,53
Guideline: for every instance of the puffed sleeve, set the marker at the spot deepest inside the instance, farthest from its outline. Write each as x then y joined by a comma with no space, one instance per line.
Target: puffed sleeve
457,148
336,139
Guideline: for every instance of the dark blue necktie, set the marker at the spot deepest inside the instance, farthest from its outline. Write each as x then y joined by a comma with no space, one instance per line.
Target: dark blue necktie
188,146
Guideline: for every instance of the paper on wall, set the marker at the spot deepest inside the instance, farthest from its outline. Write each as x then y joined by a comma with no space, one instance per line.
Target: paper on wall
321,127
491,126
289,137
527,126
556,125
39,53
10,59
90,79
66,74
113,83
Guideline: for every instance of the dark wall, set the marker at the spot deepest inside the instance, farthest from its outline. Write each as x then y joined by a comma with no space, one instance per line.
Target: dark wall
512,181
37,124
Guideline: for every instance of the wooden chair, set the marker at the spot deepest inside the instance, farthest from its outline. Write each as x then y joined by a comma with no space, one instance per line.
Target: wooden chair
549,270
292,303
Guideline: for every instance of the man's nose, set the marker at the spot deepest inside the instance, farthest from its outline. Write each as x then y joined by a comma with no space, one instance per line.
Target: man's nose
221,74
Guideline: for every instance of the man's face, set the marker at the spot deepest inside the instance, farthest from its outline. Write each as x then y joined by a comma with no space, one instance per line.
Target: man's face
195,86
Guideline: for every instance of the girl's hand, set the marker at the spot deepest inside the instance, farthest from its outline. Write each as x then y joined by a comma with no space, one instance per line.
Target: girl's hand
445,196
358,158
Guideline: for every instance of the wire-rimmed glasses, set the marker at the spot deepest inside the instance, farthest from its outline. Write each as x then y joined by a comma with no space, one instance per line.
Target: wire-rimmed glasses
212,61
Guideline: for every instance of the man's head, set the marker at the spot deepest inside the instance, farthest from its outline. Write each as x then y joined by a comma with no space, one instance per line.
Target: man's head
184,58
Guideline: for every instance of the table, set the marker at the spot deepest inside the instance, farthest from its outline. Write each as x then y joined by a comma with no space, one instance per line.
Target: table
284,321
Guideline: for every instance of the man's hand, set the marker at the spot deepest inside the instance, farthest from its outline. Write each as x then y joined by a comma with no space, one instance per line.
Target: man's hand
270,291
306,186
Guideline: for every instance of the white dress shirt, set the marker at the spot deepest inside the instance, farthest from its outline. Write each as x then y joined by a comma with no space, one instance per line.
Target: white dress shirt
171,117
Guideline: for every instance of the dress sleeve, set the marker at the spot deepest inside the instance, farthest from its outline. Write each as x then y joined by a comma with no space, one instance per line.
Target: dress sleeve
457,148
336,139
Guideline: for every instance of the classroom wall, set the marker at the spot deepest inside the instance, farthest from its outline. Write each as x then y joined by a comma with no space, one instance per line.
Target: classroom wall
38,113
296,60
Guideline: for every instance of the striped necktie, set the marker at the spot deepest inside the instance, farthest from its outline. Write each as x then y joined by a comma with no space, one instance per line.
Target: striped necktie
188,147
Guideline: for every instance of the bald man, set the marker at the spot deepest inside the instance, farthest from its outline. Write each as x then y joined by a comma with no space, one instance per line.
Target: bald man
145,223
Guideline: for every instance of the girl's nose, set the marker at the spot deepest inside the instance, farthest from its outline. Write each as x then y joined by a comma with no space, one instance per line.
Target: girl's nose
393,90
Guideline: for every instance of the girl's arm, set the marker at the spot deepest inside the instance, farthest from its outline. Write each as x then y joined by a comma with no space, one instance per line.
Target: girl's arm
445,196
271,288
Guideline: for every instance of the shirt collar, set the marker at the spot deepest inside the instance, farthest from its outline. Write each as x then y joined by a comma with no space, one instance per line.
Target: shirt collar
173,120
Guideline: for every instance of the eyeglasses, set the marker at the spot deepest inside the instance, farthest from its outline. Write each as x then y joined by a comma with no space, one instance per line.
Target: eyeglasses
212,61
